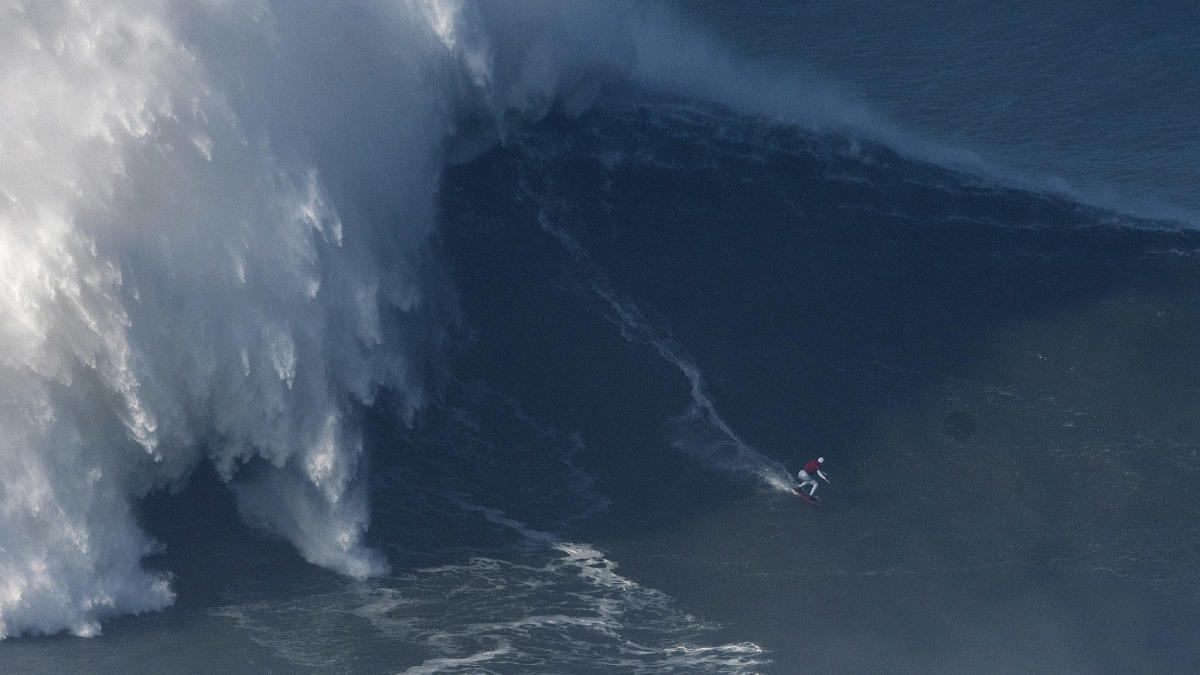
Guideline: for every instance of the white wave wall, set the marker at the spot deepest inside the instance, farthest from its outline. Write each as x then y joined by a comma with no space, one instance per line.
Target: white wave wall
180,284
217,241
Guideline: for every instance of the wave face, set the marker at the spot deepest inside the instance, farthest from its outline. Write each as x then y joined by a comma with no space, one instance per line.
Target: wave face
517,318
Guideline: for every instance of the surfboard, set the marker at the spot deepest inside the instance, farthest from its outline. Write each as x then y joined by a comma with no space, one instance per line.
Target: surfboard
811,500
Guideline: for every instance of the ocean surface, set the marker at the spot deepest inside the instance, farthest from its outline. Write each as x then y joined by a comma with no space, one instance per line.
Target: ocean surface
452,337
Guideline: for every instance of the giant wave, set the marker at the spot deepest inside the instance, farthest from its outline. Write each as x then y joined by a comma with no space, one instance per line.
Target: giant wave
217,246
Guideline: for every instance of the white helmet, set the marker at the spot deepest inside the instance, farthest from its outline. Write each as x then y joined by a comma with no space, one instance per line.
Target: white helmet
820,460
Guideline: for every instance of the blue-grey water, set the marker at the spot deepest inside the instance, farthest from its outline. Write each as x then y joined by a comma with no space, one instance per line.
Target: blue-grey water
578,289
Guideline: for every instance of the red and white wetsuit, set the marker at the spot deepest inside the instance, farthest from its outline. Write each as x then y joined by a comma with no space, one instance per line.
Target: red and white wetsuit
808,476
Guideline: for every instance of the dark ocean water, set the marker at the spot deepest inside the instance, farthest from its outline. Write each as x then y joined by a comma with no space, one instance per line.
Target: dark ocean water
666,305
999,379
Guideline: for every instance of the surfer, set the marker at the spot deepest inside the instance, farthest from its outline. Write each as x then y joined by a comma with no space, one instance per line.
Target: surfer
809,473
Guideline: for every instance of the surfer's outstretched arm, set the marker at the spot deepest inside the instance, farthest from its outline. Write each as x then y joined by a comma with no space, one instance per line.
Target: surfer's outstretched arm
824,477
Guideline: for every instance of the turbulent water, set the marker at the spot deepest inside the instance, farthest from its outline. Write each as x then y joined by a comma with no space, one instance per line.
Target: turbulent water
481,337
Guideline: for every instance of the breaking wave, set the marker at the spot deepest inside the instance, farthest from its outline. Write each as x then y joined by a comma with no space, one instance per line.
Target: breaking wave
217,245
